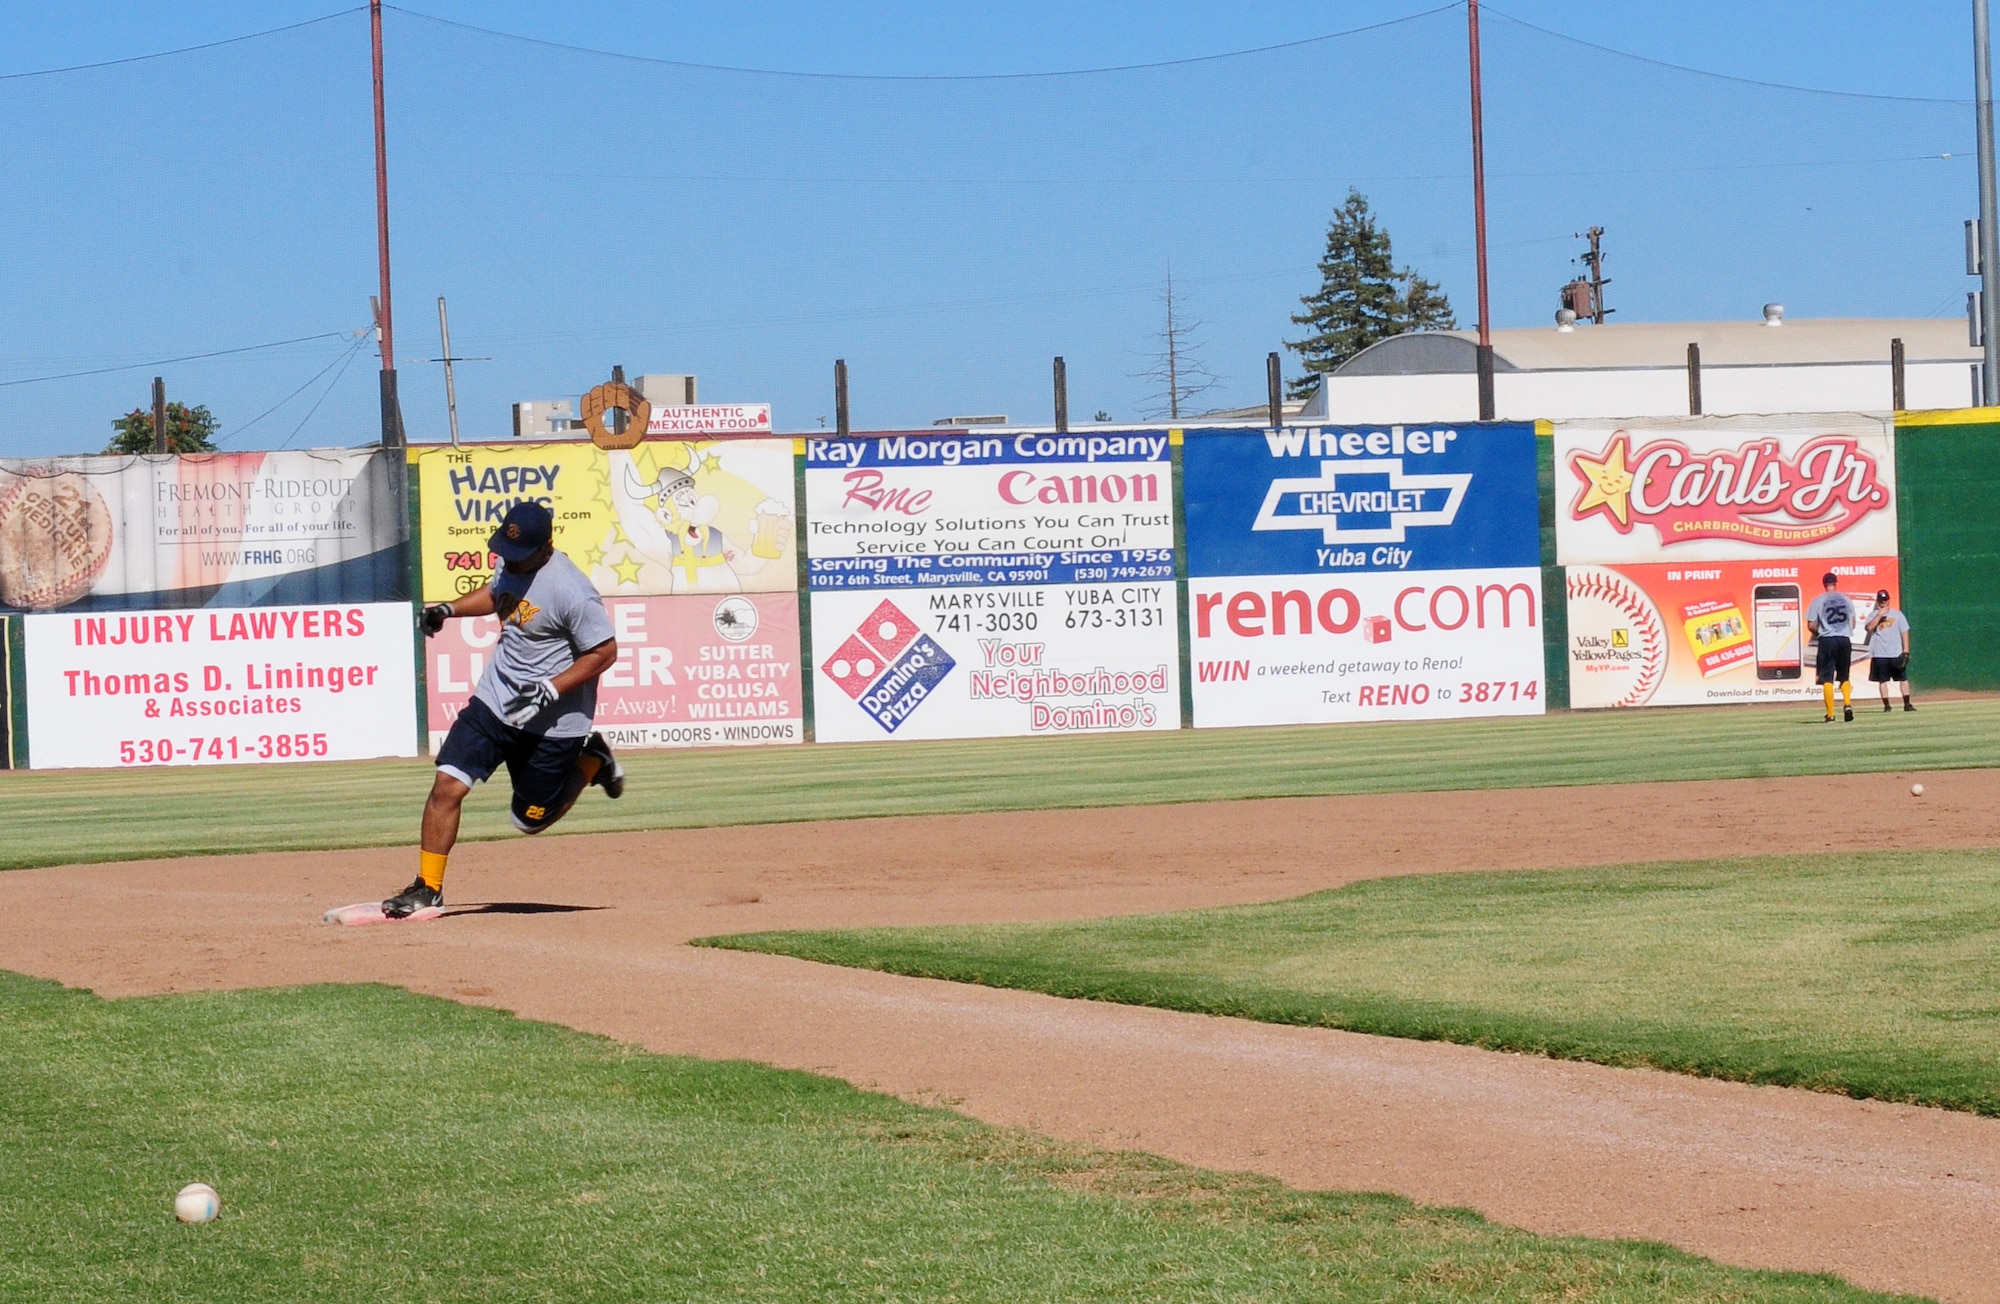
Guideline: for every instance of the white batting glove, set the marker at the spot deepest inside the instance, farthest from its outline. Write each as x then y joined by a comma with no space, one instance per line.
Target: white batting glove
530,702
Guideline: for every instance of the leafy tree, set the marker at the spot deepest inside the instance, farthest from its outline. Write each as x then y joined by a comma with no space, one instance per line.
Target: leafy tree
1363,297
189,430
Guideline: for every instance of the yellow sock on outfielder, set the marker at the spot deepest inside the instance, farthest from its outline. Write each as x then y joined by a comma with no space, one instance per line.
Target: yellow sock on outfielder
1827,690
430,866
1846,693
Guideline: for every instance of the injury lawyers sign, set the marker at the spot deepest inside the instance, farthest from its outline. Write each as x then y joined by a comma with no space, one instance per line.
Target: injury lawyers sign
1363,573
986,584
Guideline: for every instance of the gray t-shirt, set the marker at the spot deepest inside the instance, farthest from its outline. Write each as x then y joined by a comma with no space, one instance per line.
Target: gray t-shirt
1832,614
1887,640
547,620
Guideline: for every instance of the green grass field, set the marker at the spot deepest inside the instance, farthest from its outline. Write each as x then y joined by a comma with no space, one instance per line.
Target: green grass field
1875,974
75,816
375,1146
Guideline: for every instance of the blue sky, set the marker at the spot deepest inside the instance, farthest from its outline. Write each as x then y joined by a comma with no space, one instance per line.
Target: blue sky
947,237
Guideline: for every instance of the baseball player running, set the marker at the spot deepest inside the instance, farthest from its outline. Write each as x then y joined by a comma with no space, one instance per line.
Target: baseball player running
1831,619
1889,650
532,708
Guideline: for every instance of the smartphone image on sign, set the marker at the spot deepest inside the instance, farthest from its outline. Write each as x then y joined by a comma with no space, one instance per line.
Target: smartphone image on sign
1775,612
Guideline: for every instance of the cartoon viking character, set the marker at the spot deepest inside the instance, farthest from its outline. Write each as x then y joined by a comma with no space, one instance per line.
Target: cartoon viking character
678,530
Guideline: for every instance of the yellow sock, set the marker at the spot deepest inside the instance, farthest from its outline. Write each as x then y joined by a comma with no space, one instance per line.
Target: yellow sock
1846,693
430,865
1828,690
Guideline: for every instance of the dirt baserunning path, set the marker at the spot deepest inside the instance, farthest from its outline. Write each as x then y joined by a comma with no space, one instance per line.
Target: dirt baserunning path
1889,1196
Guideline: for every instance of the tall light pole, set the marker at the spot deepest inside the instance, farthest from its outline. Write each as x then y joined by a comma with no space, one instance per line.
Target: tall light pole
392,411
1485,353
1989,210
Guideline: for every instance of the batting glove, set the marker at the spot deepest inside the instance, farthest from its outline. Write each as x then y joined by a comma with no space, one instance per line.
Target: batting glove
434,617
530,702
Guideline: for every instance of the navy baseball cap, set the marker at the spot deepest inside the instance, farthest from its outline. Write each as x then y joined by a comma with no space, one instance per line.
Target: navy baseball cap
523,530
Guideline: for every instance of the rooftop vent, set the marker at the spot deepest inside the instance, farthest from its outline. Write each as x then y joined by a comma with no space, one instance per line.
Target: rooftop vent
1774,314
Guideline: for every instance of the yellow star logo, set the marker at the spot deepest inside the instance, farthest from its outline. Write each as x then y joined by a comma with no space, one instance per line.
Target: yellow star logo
1608,484
710,464
628,570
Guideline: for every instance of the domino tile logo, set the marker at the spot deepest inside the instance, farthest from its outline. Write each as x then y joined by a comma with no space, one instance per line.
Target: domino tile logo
888,666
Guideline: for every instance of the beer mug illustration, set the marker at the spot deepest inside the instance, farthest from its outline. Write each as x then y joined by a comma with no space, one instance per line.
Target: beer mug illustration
768,541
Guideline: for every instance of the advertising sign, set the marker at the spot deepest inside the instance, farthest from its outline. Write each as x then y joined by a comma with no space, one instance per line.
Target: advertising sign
972,586
692,671
682,420
1370,573
1671,492
221,686
1707,632
201,530
666,516
1317,500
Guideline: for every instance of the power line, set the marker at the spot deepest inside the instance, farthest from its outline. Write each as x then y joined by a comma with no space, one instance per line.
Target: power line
360,338
353,352
186,357
1720,76
185,49
925,77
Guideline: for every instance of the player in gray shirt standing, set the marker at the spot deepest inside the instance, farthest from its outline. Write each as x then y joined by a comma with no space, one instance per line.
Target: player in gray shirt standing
1831,619
1889,650
532,708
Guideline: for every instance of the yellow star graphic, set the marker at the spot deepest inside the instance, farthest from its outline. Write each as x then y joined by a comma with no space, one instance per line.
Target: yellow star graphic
710,464
1610,484
628,570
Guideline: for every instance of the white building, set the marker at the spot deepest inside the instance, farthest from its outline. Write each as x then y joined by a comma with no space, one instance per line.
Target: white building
1644,369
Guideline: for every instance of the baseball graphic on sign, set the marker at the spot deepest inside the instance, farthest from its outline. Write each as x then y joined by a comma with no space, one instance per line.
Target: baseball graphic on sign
55,540
1617,641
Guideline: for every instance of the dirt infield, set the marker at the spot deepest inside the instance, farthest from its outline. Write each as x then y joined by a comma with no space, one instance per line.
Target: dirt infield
586,930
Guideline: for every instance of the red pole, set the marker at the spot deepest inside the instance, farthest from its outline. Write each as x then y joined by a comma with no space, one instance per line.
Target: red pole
382,189
1486,404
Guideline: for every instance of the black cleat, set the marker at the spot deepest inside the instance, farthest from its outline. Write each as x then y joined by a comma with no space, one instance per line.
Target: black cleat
1885,707
417,896
610,775
1848,712
1908,705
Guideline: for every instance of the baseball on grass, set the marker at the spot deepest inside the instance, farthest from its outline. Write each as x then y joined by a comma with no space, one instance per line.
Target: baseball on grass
197,1203
1916,790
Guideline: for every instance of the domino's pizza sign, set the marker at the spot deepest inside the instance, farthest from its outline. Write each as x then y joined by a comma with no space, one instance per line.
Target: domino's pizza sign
888,666
1325,499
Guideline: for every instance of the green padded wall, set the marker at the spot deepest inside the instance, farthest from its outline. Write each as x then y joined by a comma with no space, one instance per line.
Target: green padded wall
1948,531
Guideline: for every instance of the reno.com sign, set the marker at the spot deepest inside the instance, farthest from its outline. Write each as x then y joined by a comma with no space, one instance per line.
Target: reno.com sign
1317,499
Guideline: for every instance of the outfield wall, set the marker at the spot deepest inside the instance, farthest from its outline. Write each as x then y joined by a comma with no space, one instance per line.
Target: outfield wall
1948,472
981,583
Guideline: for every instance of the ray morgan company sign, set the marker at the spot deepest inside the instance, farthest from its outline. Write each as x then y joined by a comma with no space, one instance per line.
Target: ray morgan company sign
1310,500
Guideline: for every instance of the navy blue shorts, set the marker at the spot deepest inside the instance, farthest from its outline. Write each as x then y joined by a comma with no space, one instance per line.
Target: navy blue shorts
538,766
1835,659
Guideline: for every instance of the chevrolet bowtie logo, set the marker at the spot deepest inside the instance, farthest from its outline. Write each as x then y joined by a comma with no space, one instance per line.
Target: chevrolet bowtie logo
1337,495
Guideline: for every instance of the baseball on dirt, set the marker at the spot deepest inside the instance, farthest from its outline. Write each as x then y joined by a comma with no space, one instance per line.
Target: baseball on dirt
197,1203
1916,790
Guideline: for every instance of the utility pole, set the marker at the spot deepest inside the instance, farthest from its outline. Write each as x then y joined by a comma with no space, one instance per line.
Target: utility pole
1062,397
450,390
392,409
1173,354
1594,260
1989,209
160,444
1485,355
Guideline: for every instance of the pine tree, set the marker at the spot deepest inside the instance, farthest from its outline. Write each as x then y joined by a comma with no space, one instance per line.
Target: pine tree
1363,297
189,430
